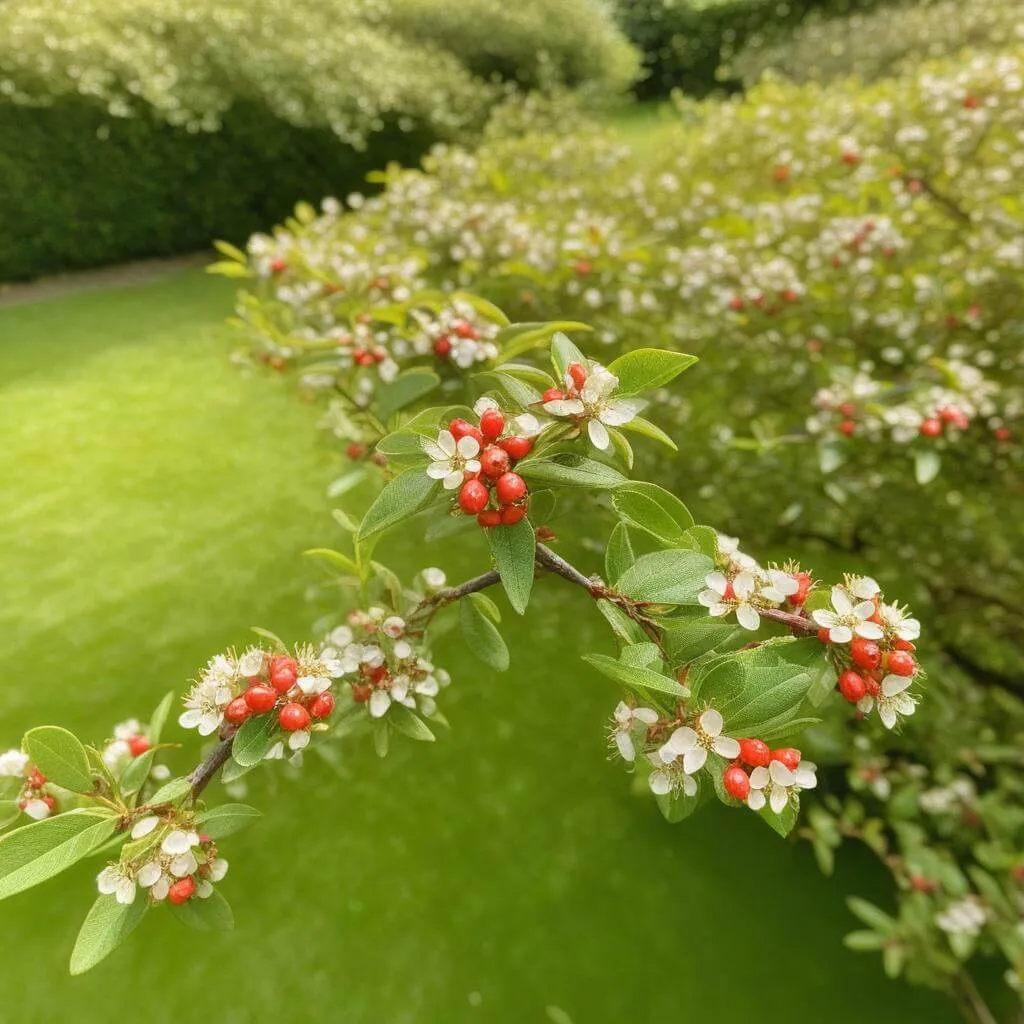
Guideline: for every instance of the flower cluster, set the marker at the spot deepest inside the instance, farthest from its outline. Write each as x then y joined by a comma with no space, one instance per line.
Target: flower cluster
588,398
34,798
456,332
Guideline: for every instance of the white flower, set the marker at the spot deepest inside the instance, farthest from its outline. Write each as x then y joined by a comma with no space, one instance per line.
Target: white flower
298,739
205,703
528,425
780,586
848,618
775,784
144,826
150,874
179,841
863,587
183,865
693,745
722,597
670,778
393,626
434,578
596,405
624,720
114,753
485,404
965,917
218,869
13,763
251,663
380,701
115,880
893,701
403,649
452,459
127,729
898,622
341,636
37,809
275,753
316,670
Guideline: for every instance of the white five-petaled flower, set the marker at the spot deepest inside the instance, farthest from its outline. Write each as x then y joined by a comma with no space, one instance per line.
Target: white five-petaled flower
116,880
893,701
898,622
693,745
848,618
780,586
13,763
965,917
596,405
625,719
205,704
722,597
670,778
317,669
434,578
393,626
774,785
452,459
179,841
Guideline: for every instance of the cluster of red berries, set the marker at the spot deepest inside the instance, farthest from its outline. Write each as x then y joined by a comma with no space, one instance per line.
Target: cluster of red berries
496,479
934,425
273,689
461,329
871,664
755,753
576,377
33,790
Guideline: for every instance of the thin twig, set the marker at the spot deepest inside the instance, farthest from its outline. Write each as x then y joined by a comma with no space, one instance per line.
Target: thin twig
203,773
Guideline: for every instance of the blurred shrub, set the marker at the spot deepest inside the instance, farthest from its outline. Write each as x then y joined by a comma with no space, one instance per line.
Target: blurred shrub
135,127
884,41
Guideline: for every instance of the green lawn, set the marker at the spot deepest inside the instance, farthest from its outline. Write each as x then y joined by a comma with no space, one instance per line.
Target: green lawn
154,505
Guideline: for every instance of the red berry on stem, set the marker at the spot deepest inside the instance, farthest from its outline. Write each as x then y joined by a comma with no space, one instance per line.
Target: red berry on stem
510,488
512,514
789,756
901,663
754,752
442,345
852,686
293,717
473,497
138,745
181,891
516,446
355,451
283,672
237,711
824,636
552,395
736,782
865,653
803,588
278,265
323,705
903,645
847,427
931,428
492,423
489,518
361,692
460,429
494,461
260,698
578,375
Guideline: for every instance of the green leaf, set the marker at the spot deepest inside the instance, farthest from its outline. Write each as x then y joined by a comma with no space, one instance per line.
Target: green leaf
405,389
136,771
482,638
638,425
692,633
642,679
628,631
158,719
212,914
570,470
231,251
33,853
514,549
403,496
618,555
60,756
171,792
106,926
233,770
647,368
519,338
641,655
863,941
254,738
622,447
279,644
408,723
871,915
926,466
335,558
486,309
519,391
227,819
654,510
564,353
675,807
666,577
782,823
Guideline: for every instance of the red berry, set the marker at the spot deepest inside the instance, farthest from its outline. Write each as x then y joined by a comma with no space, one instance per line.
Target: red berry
442,345
36,779
852,686
516,446
578,375
736,303
181,891
460,429
50,802
492,423
583,267
824,636
901,663
473,497
489,518
277,266
237,711
323,705
803,580
736,782
847,427
512,514
283,672
510,488
138,745
293,717
872,686
361,692
848,409
355,451
1002,433
756,753
494,461
931,428
552,395
465,330
903,645
865,653
789,756
260,698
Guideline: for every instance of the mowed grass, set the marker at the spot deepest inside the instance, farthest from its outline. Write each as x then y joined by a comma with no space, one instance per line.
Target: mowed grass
155,502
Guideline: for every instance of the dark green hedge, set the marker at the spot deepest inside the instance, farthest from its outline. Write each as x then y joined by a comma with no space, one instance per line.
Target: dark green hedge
70,198
684,44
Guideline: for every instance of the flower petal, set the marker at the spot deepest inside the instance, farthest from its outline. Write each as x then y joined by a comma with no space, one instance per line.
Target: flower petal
598,434
747,617
727,747
693,760
711,722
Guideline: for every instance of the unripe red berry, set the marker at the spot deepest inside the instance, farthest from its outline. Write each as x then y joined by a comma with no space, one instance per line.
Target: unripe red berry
789,756
489,518
847,427
512,514
473,497
756,753
283,672
260,698
293,717
852,686
323,704
552,395
494,461
803,580
460,429
181,891
237,711
736,782
516,446
442,345
510,488
361,692
492,423
578,374
901,663
138,745
931,428
865,653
